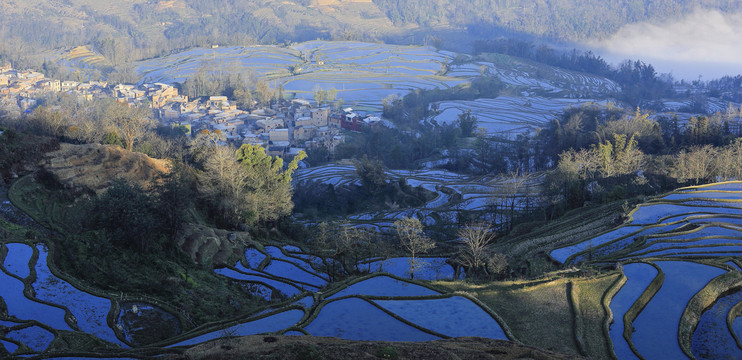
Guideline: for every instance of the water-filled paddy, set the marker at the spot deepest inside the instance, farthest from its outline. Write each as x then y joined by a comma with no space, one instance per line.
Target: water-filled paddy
638,277
562,254
656,327
384,286
36,338
17,259
90,311
25,309
357,319
454,316
426,268
283,287
267,324
712,338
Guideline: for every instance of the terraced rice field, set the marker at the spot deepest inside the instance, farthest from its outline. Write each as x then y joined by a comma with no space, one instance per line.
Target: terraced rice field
713,338
80,57
638,276
362,73
454,193
35,318
655,329
507,116
365,73
538,77
689,235
376,307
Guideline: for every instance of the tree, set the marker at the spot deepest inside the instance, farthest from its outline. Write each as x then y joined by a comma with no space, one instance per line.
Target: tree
413,239
127,216
205,143
174,200
506,196
620,156
248,185
131,123
322,96
728,162
268,185
696,163
264,92
223,182
474,239
467,123
372,174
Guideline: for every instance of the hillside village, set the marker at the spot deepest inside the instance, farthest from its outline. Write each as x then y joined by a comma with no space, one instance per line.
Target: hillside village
283,128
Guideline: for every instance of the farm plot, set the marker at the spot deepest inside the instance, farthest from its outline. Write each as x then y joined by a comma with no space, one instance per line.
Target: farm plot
507,115
722,186
537,77
562,254
89,311
377,307
17,259
712,339
454,193
362,73
426,268
23,308
383,285
34,337
266,324
676,225
656,326
689,224
259,60
358,319
638,276
55,303
288,272
704,194
260,281
454,316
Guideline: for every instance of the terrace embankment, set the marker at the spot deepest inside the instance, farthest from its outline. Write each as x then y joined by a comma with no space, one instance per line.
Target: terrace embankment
312,347
94,167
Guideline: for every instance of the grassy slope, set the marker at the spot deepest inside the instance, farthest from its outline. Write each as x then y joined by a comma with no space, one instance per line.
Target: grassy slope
310,347
530,243
540,313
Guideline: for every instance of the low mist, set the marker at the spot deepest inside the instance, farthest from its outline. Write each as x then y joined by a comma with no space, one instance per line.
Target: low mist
705,44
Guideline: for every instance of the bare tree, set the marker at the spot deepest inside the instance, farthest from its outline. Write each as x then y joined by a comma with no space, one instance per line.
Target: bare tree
507,196
131,123
696,163
474,239
414,240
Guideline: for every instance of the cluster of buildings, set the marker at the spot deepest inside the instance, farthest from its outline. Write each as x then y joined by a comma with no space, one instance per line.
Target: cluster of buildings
21,89
284,127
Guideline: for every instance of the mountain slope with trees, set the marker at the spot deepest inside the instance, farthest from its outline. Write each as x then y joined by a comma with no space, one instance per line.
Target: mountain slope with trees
125,31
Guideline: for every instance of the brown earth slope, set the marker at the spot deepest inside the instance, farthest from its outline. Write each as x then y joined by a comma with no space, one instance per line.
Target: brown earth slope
94,167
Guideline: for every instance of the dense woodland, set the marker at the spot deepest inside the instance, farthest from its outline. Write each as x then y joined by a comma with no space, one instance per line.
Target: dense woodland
573,20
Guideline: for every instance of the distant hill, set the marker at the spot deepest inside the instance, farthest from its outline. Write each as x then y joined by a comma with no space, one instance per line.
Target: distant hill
122,31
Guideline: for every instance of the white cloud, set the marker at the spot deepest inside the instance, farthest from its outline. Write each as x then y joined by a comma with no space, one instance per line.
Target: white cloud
704,42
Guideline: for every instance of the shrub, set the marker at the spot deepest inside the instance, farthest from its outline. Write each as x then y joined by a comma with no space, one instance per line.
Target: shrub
387,352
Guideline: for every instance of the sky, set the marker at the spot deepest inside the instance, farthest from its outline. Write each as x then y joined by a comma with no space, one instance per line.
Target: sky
705,44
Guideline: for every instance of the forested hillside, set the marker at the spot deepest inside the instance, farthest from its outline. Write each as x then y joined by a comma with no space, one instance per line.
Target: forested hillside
556,19
124,31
